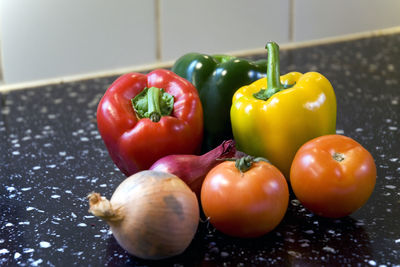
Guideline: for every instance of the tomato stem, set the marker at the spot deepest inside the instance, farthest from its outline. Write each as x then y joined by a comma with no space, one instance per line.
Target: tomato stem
243,164
339,157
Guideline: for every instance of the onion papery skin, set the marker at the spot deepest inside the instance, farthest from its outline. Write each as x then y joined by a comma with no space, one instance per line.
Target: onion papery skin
158,215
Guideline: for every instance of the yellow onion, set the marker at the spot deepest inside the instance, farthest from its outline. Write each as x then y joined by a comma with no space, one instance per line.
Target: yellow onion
152,214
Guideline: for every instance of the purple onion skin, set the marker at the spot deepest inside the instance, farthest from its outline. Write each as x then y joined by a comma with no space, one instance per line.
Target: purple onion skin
192,169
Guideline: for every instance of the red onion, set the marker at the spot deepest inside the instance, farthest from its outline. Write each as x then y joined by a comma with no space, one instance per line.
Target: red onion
192,169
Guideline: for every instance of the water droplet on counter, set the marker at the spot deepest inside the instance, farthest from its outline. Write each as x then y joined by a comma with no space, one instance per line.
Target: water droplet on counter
294,254
295,202
44,244
26,188
37,262
339,131
4,251
10,188
28,250
224,254
329,249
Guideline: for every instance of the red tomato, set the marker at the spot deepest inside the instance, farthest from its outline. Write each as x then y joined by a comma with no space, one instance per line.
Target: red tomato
333,175
247,204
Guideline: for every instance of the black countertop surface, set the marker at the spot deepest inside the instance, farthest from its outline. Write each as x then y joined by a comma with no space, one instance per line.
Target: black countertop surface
52,156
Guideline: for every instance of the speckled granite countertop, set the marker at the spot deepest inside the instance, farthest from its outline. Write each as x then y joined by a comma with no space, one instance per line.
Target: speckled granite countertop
52,156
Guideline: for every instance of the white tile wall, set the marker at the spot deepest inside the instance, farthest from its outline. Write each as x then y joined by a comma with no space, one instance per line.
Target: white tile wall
51,38
46,39
316,19
210,26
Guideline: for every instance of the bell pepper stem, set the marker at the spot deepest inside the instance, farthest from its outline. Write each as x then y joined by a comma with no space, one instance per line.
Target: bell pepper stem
153,98
274,84
223,58
273,72
153,103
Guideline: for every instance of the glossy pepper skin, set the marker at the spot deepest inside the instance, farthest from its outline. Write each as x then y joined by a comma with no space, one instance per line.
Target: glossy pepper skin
274,116
217,78
135,142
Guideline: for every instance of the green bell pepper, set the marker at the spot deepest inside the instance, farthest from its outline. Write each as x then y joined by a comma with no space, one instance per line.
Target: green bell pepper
217,78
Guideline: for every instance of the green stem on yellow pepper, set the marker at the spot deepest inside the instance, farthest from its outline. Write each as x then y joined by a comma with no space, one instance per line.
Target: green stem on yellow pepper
273,72
274,84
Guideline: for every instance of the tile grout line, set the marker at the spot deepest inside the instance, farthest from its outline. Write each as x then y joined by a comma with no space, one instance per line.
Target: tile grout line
291,21
157,9
1,60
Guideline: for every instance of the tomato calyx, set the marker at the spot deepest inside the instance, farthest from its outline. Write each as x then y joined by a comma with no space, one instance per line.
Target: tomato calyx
243,164
339,157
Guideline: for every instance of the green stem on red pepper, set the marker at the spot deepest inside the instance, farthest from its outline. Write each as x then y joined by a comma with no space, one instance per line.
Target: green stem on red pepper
153,103
153,97
274,84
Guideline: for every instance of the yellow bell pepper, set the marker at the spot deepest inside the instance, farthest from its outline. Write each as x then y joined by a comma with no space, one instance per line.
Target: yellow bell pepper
274,116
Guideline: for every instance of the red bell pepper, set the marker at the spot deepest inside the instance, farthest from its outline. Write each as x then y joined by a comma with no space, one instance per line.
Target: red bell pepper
142,118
